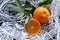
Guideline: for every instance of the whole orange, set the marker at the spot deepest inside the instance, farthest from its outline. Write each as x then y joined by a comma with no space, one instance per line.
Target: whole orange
41,14
33,27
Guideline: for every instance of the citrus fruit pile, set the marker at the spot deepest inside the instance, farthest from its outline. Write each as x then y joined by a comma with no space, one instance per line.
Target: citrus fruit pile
40,16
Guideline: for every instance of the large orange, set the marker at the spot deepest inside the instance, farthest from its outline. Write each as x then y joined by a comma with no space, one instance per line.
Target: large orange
33,27
41,14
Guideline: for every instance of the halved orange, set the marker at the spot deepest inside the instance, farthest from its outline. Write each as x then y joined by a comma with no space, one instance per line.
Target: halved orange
33,27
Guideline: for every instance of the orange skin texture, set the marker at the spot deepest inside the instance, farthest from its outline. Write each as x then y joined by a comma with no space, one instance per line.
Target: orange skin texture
41,14
33,27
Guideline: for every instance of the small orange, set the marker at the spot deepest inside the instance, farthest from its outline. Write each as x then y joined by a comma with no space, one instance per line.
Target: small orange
41,14
33,27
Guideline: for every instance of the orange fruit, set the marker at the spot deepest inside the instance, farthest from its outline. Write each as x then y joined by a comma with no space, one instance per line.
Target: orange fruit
41,14
33,27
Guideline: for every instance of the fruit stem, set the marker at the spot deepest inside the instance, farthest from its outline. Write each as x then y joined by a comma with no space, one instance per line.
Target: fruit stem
31,15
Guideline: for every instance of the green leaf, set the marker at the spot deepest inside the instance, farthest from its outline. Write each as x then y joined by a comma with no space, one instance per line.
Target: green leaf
28,5
14,7
12,3
28,8
27,20
46,2
19,5
19,15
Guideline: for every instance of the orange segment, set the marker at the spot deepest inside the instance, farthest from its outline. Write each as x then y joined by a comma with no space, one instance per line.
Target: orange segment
41,14
33,27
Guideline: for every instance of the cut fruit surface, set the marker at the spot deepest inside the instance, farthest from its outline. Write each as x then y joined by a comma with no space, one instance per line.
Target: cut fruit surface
33,27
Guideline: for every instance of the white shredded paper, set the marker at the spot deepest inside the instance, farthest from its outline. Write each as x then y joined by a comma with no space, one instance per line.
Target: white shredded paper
10,29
